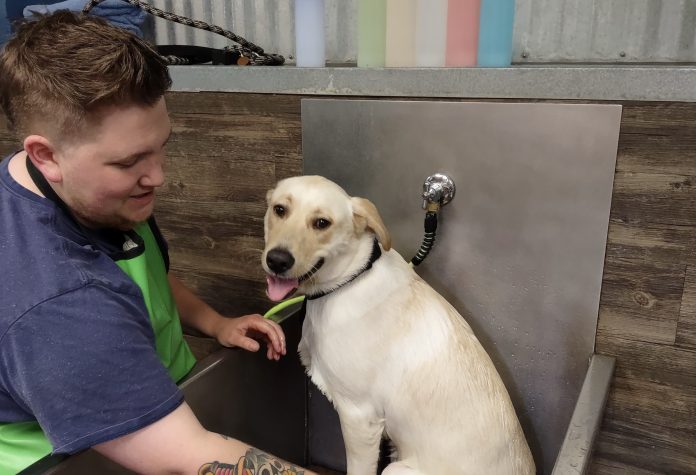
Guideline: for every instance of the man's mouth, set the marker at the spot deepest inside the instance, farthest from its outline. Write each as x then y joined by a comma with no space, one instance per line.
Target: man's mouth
280,288
143,199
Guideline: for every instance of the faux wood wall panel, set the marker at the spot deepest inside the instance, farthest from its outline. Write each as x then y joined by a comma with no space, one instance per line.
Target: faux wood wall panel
647,316
226,152
228,149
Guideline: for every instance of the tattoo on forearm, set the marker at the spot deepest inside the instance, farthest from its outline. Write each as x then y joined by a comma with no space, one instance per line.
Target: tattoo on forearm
254,462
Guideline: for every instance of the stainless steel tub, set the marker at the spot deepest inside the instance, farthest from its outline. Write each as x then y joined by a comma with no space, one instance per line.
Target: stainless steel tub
269,405
326,443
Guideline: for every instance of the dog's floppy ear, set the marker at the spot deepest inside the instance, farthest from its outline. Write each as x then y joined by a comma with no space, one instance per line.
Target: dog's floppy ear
365,215
269,193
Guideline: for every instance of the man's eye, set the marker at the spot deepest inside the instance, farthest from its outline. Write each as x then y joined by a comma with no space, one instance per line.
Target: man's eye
321,223
129,162
279,211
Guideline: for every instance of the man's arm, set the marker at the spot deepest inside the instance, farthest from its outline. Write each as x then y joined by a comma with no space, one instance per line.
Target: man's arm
241,331
178,444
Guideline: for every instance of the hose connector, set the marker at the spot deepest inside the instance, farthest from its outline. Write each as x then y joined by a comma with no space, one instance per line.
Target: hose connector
438,190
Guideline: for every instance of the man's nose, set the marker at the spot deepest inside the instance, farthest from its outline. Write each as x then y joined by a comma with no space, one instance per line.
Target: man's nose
154,175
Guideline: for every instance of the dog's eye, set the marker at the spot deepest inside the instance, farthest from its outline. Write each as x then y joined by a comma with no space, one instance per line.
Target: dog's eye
279,210
321,223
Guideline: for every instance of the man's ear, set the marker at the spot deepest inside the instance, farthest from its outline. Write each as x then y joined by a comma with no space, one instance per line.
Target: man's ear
41,152
365,215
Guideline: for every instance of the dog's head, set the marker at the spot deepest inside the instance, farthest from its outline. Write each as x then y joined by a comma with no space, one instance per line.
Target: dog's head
312,229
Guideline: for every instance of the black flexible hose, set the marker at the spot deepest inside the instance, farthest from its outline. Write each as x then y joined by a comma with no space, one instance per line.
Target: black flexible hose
253,52
430,227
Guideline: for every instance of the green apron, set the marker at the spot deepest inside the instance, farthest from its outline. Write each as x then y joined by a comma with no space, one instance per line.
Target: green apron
23,443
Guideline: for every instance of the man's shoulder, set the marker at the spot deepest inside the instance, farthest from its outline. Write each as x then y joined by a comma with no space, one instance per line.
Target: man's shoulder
42,258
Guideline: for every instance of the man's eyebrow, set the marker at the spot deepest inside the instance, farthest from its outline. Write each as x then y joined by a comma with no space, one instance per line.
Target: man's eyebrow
142,152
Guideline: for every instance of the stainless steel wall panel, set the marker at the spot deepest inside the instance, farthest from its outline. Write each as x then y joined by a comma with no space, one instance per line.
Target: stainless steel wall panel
520,249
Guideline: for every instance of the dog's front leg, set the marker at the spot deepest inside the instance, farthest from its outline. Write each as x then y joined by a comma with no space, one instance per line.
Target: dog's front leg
362,432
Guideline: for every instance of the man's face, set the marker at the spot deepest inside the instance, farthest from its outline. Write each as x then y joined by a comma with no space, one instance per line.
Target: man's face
109,175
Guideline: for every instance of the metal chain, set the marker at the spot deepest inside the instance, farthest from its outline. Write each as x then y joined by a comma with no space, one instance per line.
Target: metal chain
253,52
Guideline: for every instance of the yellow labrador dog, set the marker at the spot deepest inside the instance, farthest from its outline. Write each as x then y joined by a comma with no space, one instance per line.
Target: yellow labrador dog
390,353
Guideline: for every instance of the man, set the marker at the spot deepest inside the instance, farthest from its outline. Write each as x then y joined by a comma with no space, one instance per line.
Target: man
90,332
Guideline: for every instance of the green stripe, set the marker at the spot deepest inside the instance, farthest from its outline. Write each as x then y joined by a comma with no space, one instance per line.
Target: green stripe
147,270
21,444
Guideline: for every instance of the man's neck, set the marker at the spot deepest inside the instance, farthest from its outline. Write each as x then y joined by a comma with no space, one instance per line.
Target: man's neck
18,170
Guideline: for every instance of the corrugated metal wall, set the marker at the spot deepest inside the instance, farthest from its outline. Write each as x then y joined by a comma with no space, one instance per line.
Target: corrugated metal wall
545,30
605,30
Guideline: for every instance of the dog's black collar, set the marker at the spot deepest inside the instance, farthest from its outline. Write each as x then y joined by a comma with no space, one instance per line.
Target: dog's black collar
311,271
376,254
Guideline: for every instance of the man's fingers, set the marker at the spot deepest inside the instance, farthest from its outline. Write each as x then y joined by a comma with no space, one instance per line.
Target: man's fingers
273,332
281,349
249,344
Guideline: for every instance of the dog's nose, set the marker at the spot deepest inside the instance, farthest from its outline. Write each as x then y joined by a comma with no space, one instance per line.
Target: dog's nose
279,260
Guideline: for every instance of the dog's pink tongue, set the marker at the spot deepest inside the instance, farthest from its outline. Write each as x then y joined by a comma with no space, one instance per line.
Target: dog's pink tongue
279,288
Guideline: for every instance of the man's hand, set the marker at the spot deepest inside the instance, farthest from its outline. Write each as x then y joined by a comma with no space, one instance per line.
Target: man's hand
246,332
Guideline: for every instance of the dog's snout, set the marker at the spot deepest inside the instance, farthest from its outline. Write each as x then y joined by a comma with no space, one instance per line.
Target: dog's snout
279,260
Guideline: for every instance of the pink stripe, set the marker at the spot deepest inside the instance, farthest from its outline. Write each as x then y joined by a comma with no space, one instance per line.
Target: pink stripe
462,32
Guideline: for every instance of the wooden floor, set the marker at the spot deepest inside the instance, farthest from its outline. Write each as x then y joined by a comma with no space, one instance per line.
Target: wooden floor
228,149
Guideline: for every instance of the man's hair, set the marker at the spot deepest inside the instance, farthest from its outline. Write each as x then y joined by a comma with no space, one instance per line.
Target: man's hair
62,69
